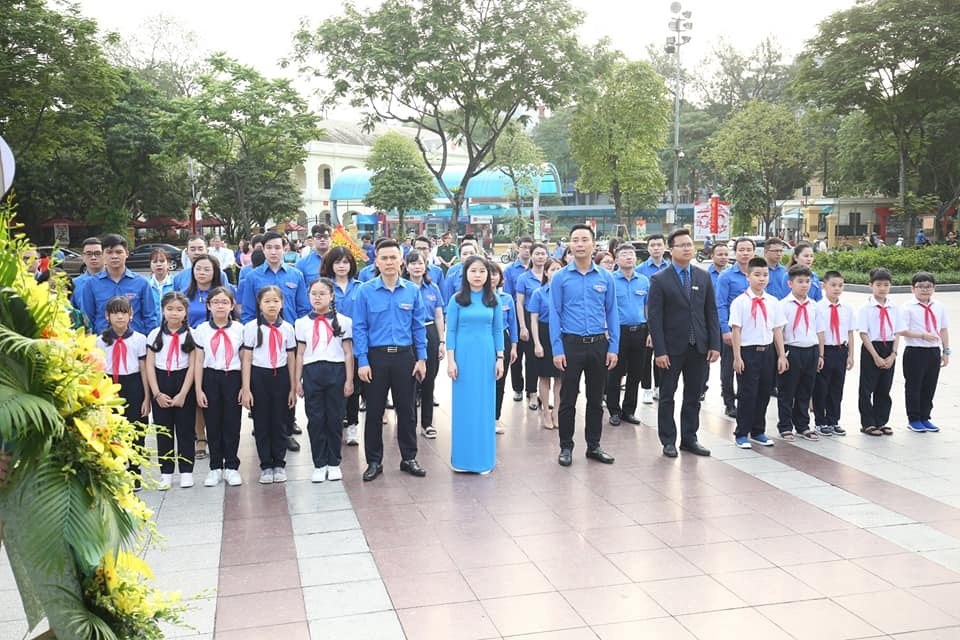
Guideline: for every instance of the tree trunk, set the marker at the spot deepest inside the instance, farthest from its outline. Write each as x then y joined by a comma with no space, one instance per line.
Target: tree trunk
902,191
617,194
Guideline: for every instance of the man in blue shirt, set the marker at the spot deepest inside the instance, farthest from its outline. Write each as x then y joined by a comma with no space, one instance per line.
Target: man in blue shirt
585,334
296,303
718,254
730,284
309,265
93,263
632,289
368,248
656,246
517,268
777,285
117,280
422,246
196,247
390,343
452,281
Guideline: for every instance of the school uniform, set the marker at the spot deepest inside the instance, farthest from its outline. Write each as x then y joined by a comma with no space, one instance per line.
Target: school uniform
525,285
881,323
757,317
510,275
650,374
124,357
801,340
731,283
269,345
98,290
921,358
836,321
172,364
432,299
324,375
221,384
510,330
632,295
344,299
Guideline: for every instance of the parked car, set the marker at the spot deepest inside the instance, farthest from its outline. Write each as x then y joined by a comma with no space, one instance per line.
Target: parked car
760,242
643,254
139,257
72,262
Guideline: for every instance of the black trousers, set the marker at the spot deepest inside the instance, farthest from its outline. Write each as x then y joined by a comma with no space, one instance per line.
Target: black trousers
874,400
175,421
502,382
353,402
589,360
222,416
131,390
270,389
796,388
649,374
726,376
392,373
629,364
516,369
529,360
828,387
430,379
692,365
325,406
921,371
755,384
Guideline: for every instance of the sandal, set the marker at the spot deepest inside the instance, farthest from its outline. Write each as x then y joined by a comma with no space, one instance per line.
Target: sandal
887,431
872,431
201,451
810,434
788,436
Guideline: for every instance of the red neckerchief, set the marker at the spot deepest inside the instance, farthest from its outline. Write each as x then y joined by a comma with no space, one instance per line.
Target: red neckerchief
119,357
884,315
835,322
276,344
929,318
801,311
227,345
758,304
174,350
321,319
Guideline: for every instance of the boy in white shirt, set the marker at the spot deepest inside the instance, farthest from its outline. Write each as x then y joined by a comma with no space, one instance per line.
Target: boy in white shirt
927,339
879,325
836,320
803,342
757,330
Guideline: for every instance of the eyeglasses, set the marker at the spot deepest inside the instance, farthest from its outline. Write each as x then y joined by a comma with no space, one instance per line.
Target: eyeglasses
923,287
321,236
93,254
686,245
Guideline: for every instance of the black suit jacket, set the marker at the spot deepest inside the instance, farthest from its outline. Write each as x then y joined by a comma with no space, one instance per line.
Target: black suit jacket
670,312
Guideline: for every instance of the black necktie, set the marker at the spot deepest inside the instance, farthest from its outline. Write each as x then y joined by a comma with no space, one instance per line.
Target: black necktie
685,280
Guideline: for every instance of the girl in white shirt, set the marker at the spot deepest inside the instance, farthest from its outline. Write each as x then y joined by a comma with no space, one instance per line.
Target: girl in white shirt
268,359
325,371
217,377
169,368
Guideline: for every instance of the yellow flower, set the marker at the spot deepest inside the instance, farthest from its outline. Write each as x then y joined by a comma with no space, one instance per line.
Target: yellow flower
88,434
131,562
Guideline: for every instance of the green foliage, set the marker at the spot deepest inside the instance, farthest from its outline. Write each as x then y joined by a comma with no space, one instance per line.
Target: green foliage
616,136
400,179
903,262
521,160
552,135
462,71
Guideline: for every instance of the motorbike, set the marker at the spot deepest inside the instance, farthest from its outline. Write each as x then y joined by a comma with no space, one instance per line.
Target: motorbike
703,255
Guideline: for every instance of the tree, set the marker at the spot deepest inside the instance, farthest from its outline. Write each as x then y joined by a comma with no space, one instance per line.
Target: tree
552,135
400,180
461,71
764,148
897,61
248,133
521,160
616,135
729,79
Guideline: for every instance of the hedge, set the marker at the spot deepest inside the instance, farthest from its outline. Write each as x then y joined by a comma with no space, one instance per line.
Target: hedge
903,262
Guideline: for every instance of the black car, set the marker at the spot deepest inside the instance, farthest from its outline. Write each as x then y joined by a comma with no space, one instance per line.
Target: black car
139,257
643,254
72,262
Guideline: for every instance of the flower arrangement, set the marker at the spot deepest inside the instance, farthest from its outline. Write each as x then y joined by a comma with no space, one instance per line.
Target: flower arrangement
72,520
340,238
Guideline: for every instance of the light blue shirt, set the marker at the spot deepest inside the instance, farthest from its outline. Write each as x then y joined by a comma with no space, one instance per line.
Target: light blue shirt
101,287
647,268
384,318
730,284
509,311
452,281
631,297
309,266
777,284
510,275
583,304
296,304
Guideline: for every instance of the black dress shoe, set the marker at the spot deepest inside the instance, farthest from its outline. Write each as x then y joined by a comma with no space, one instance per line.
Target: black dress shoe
614,419
632,419
670,450
373,470
730,412
436,404
566,457
600,455
413,468
695,448
292,444
296,429
518,396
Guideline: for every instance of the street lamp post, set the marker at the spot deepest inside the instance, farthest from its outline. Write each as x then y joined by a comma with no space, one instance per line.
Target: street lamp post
679,23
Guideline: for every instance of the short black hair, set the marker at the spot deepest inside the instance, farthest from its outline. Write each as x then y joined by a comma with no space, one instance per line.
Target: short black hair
680,231
756,263
524,239
922,276
830,275
423,239
736,243
655,236
387,243
272,235
113,240
797,271
772,241
91,240
625,246
586,227
319,228
880,274
714,248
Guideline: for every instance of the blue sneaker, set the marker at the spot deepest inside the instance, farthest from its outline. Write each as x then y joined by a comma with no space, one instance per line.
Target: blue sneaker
929,426
744,443
917,426
762,439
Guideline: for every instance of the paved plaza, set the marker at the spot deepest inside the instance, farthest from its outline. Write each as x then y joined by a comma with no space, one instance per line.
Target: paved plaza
853,537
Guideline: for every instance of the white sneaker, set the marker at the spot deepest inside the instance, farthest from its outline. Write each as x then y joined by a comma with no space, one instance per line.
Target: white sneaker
353,434
279,474
334,473
214,476
499,428
266,476
656,393
319,474
233,478
648,396
166,479
186,480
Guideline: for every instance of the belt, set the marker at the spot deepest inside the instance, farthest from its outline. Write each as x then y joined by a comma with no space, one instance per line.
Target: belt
392,348
632,328
835,346
793,346
597,337
755,347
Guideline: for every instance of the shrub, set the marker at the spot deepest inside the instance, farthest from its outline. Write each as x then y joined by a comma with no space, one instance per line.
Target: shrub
903,262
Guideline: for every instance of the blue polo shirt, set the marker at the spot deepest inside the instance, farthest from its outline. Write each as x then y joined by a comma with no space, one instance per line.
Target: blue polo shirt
647,268
510,275
101,287
539,303
509,311
631,297
78,283
181,279
436,276
583,304
526,284
816,289
730,284
160,289
296,304
367,273
344,298
432,298
777,284
714,274
309,266
383,318
452,281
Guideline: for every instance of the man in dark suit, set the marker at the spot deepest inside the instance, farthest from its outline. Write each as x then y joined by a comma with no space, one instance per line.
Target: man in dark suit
685,330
